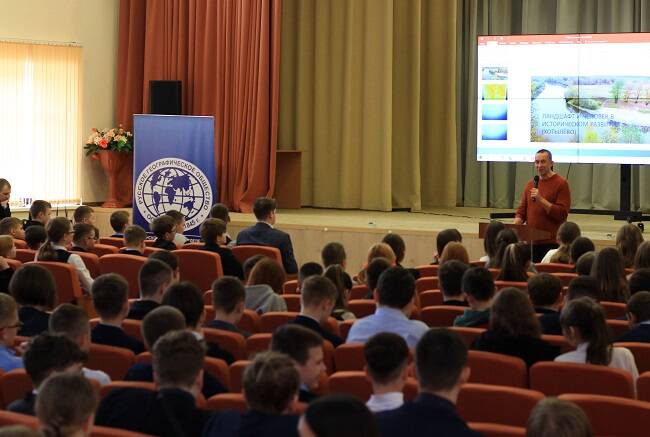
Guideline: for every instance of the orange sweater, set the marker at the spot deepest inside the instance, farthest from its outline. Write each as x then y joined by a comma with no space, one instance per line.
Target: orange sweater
554,189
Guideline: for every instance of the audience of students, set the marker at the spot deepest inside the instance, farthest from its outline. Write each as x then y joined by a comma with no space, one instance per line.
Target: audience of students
387,357
395,297
179,227
489,240
35,236
445,236
83,239
264,287
609,272
34,290
213,233
545,291
84,214
441,368
228,302
579,247
339,278
637,311
584,327
163,227
7,251
134,240
13,227
514,329
220,211
59,236
628,239
39,214
9,325
553,417
478,287
337,416
110,293
119,221
305,347
450,276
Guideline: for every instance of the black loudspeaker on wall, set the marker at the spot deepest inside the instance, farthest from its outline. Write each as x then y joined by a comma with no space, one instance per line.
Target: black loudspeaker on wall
165,97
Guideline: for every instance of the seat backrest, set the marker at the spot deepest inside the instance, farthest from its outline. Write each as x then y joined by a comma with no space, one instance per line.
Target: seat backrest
91,261
227,401
495,273
503,284
15,385
217,368
441,315
491,368
428,270
66,279
467,334
641,352
270,321
344,328
643,387
290,287
25,255
496,404
359,291
242,253
115,361
207,297
553,379
554,268
613,310
232,342
113,385
237,370
104,249
199,266
349,356
105,431
194,246
15,264
292,301
133,328
497,430
257,343
150,249
127,266
431,298
426,283
112,241
351,382
250,321
610,415
8,418
558,340
617,327
20,244
565,277
362,307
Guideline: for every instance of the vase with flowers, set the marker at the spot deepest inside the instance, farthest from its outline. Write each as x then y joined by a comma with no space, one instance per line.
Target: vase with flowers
114,150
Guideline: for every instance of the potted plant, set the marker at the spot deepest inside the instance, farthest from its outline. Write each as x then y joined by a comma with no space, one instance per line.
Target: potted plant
114,149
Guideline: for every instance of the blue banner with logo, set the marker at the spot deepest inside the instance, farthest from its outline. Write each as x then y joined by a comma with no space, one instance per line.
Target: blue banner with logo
174,168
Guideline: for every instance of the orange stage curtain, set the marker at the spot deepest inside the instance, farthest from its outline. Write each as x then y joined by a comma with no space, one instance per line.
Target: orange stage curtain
227,55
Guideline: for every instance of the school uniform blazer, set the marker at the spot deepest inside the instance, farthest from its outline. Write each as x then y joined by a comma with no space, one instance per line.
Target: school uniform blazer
262,234
114,336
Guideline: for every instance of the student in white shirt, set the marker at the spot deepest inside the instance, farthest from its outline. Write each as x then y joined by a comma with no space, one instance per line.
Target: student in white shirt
583,324
566,235
59,237
179,227
387,367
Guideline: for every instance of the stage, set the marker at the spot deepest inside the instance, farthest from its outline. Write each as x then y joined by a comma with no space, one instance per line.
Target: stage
312,228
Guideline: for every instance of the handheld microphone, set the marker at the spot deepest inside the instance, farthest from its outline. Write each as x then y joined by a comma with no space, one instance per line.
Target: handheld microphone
535,183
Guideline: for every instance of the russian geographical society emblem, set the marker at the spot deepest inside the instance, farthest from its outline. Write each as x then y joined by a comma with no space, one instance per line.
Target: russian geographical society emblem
172,183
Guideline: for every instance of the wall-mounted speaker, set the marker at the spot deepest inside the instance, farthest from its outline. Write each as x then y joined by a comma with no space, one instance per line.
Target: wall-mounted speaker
165,97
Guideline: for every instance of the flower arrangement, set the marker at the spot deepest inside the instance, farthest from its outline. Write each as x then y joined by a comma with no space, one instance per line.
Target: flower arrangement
116,139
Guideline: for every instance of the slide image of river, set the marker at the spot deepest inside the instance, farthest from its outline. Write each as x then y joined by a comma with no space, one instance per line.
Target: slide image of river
590,109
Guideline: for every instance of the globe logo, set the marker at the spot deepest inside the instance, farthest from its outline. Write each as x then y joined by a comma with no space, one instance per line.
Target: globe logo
173,184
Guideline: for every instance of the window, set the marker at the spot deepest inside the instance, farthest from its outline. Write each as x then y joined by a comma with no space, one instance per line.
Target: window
40,137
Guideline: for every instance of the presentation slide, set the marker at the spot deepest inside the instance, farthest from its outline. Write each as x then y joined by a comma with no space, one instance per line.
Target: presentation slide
584,97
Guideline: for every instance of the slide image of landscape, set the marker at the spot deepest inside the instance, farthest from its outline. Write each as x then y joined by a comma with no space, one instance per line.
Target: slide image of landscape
495,73
494,131
495,91
497,111
590,109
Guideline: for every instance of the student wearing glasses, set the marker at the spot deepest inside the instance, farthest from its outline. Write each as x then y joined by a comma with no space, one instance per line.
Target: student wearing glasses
9,325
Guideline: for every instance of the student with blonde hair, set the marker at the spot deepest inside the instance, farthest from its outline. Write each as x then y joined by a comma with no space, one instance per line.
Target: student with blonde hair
566,235
553,417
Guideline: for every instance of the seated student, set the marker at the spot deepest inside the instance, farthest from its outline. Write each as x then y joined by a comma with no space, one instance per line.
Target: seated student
566,235
545,291
553,417
212,234
305,347
450,276
584,327
396,242
249,264
35,236
188,299
504,238
478,286
387,357
445,236
441,368
9,325
582,286
639,281
72,321
220,211
47,354
163,228
134,241
641,259
515,263
454,251
489,240
337,416
333,253
609,272
228,296
317,300
579,247
270,386
585,263
84,214
34,289
171,410
395,297
7,251
39,214
638,317
379,250
514,329
156,324
71,418
59,236
170,259
119,220
12,226
83,239
374,270
337,275
179,227
110,294
5,194
264,287
154,278
309,269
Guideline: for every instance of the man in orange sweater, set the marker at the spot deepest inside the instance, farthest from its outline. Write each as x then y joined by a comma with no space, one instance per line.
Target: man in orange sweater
545,203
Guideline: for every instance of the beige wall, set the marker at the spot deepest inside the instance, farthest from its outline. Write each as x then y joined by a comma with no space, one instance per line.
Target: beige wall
93,24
